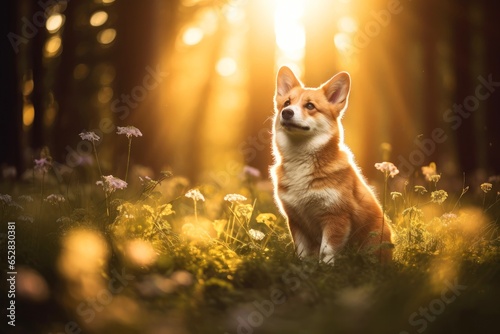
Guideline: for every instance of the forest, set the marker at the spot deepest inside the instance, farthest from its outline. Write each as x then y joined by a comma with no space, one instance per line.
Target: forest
135,186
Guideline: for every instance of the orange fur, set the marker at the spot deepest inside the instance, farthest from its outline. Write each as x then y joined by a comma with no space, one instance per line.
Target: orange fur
318,187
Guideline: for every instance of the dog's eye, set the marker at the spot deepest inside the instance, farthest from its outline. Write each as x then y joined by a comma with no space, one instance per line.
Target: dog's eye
287,103
309,106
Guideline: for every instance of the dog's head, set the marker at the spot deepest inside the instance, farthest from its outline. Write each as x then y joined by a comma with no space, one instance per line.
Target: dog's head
309,113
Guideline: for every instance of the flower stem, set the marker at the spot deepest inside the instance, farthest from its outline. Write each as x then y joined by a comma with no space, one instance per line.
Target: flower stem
383,214
97,159
128,157
234,221
107,203
195,212
37,228
102,178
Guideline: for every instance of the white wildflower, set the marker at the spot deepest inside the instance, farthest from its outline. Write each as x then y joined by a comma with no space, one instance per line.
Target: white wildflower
27,219
256,235
395,195
244,210
5,199
439,196
25,198
195,195
234,198
55,199
64,220
435,178
420,189
129,131
486,187
90,136
146,180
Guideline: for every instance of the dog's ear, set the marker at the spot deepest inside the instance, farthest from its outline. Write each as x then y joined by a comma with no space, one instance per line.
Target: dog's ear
286,81
337,89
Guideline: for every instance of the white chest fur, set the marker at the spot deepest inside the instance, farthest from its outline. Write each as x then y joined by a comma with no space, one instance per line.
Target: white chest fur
298,194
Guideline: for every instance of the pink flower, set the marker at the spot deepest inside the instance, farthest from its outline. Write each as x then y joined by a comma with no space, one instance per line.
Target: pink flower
251,172
42,165
111,183
387,168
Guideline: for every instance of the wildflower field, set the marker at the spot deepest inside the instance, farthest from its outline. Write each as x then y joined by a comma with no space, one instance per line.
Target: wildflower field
139,253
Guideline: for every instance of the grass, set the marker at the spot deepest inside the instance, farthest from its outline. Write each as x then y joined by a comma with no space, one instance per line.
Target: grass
160,256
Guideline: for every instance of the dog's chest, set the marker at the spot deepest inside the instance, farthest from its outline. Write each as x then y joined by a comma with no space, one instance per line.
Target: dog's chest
298,193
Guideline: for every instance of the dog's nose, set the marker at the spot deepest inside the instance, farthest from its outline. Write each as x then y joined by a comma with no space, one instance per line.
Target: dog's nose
287,114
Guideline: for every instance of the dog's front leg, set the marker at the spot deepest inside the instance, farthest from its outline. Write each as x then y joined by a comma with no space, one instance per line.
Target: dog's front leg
303,245
335,235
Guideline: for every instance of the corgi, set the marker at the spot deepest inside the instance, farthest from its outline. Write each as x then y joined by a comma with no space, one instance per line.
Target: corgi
317,185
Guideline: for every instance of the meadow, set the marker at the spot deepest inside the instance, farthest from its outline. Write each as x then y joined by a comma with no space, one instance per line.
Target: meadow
153,253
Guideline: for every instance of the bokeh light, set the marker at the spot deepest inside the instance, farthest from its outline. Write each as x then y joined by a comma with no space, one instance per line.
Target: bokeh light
53,47
98,18
192,36
226,66
28,114
347,24
342,41
84,255
81,71
105,94
54,23
106,36
140,252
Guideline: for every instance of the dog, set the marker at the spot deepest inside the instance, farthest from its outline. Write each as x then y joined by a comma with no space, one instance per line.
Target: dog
317,186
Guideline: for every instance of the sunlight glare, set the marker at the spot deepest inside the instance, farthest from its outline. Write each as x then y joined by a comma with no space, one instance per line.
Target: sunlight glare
234,14
290,33
347,24
190,3
192,36
342,41
289,29
208,21
226,66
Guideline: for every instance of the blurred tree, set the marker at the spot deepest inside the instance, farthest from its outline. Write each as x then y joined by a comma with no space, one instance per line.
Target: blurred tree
10,98
427,59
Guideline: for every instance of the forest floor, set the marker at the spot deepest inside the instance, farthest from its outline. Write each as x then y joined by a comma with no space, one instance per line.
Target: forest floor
161,256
